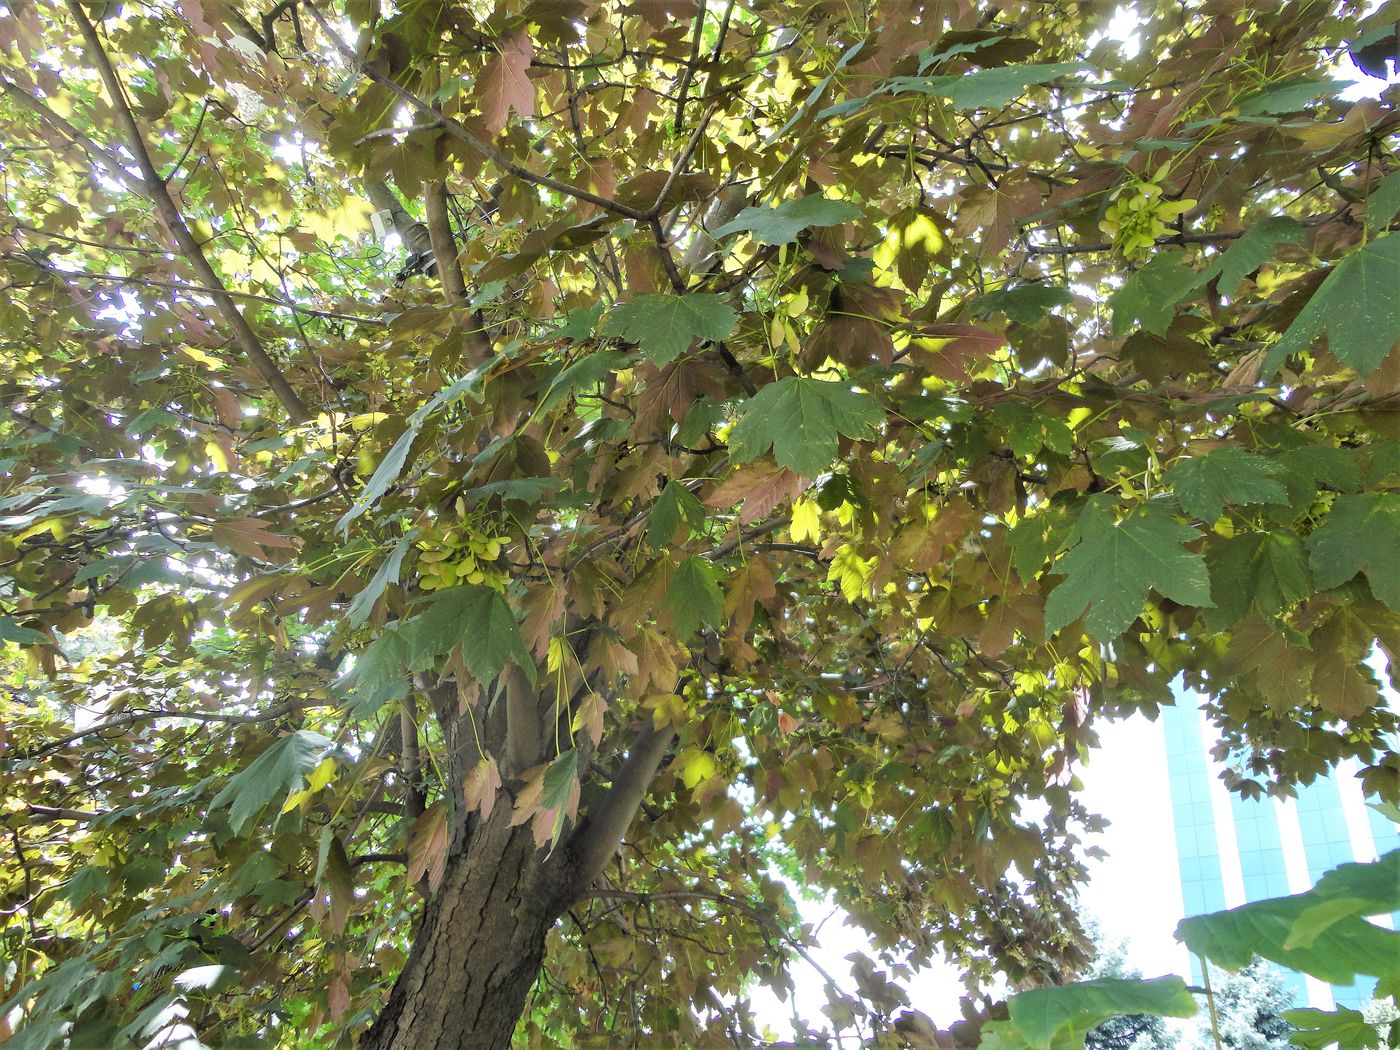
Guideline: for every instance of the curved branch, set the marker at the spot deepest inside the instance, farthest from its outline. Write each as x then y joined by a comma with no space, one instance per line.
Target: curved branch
596,841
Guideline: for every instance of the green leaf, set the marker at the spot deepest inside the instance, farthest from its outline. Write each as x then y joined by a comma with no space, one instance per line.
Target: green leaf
1344,1028
675,504
557,788
801,421
1288,97
1356,306
276,772
379,672
1204,484
1264,570
782,224
694,598
480,621
1311,932
388,471
1361,534
1383,203
664,326
387,573
1148,297
1252,251
583,374
1112,564
1045,1017
10,631
1025,305
580,325
986,88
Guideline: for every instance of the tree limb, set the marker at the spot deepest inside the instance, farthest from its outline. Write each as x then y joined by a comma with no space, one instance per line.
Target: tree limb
154,187
596,841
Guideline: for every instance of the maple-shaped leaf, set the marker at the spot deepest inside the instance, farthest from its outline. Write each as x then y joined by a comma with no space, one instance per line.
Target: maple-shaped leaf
693,597
476,618
760,487
782,224
1361,534
675,504
276,771
664,326
1205,484
388,572
504,84
801,420
1253,250
250,536
1148,297
427,846
1111,564
1265,570
558,798
482,786
1345,686
1356,306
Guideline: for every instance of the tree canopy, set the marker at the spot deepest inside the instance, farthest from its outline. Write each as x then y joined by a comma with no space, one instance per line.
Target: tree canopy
494,494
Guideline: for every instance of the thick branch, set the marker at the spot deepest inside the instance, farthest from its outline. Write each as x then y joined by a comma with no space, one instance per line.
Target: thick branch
597,840
154,187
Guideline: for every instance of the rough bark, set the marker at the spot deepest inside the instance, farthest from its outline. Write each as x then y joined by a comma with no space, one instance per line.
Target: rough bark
479,947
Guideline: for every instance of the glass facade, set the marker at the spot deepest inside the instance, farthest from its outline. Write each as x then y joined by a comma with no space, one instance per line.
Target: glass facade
1233,850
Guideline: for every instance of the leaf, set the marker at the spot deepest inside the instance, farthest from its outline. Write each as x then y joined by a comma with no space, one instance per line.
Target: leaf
1111,565
1042,1016
482,787
250,536
984,89
665,326
1204,484
1383,203
1148,297
10,631
427,846
559,793
583,374
760,488
782,224
388,572
694,597
1253,250
1335,952
675,504
1343,1027
277,771
1026,304
1360,534
1266,571
504,84
388,471
1356,306
695,766
480,621
1287,97
800,420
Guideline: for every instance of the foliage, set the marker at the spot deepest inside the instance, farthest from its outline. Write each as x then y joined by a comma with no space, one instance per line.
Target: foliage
1249,1008
721,429
1125,1031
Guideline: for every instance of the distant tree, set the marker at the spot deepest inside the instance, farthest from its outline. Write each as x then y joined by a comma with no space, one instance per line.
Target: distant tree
1131,1031
1248,1006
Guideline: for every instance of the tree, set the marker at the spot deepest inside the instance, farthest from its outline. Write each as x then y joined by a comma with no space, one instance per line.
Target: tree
1248,1005
486,487
1126,1031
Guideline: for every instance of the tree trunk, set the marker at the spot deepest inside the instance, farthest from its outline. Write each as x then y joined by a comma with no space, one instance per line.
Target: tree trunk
479,948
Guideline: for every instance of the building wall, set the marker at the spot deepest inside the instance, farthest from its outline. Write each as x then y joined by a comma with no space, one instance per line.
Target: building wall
1232,850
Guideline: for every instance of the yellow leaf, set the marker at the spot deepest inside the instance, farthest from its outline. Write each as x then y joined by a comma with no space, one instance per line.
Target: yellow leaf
806,521
695,766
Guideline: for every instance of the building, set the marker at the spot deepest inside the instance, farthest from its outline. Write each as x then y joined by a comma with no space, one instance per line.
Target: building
1231,851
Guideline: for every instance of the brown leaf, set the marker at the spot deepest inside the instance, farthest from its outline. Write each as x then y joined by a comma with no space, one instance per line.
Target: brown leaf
760,487
589,716
504,84
250,536
482,786
947,350
427,846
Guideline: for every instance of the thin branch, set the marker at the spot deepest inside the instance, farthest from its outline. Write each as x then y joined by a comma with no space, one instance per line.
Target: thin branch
458,130
154,187
135,717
